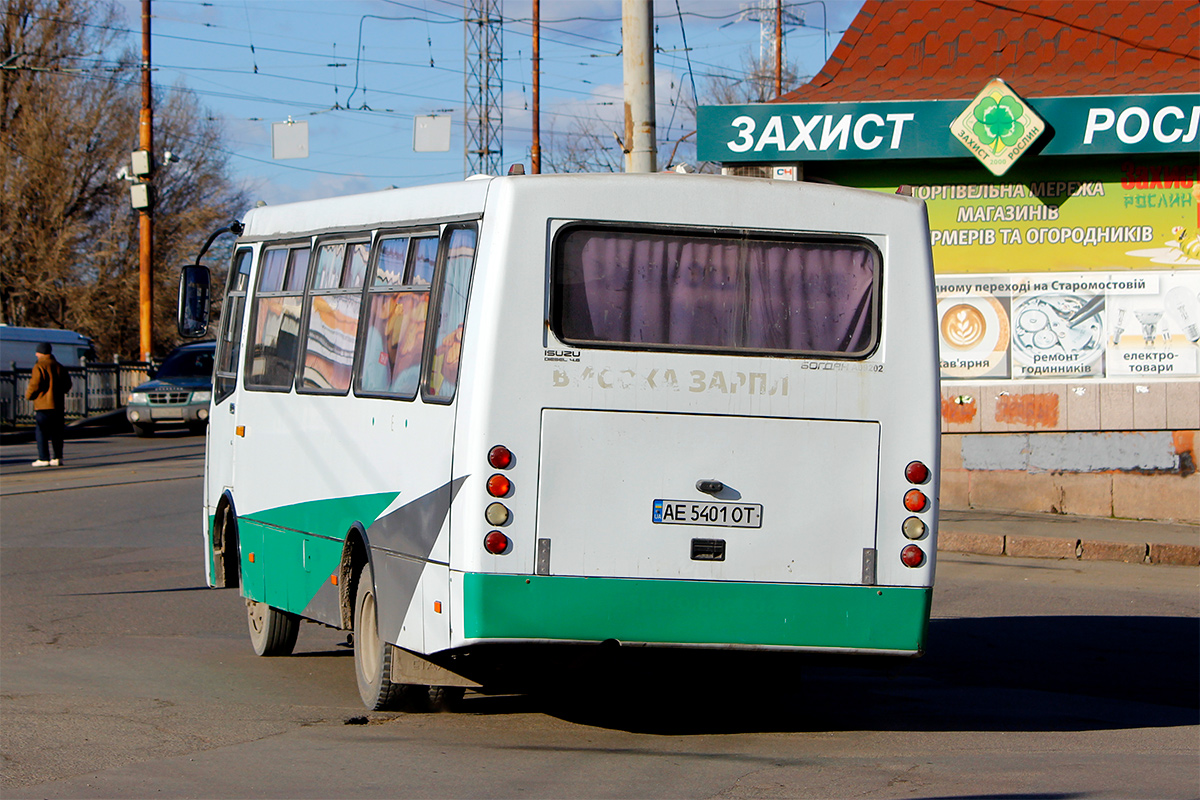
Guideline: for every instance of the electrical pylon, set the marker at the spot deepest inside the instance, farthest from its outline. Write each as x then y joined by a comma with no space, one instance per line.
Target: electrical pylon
482,88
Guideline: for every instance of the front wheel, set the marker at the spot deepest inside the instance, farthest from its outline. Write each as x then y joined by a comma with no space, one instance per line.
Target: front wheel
372,655
272,631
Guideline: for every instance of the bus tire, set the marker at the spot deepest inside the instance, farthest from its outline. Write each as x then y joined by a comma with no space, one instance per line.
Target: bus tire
444,698
372,655
272,631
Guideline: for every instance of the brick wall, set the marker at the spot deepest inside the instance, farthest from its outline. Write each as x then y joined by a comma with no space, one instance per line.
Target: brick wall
1124,450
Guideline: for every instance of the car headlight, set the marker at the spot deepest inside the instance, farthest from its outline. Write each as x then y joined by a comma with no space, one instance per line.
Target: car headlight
139,398
201,397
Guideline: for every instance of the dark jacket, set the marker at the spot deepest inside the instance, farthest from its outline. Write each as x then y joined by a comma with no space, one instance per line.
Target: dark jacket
48,384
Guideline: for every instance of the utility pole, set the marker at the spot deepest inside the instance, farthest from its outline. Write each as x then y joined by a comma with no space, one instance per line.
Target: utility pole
535,153
146,215
637,47
778,49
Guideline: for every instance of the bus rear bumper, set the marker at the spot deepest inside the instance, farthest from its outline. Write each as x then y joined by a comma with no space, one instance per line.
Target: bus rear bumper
867,619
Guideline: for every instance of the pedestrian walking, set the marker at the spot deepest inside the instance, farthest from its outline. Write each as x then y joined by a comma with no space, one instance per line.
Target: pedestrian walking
48,387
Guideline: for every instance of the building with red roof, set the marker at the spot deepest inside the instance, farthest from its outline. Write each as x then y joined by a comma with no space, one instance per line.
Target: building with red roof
1055,145
948,49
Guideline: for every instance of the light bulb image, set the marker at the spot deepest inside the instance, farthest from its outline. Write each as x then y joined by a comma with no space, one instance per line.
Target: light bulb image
1119,327
1149,320
1185,310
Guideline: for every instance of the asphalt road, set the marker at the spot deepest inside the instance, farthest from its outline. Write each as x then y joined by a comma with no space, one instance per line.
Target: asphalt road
121,675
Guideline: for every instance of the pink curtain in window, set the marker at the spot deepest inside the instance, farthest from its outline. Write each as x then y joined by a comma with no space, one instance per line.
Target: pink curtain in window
709,292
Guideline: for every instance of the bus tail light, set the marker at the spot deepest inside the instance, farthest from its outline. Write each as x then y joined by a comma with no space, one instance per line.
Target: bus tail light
916,472
913,528
912,556
496,514
496,543
500,457
915,500
499,486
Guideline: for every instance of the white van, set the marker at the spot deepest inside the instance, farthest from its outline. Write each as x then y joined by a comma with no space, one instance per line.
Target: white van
18,347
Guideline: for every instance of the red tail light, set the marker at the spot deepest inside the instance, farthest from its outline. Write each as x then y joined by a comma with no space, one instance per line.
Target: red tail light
915,500
916,472
496,543
912,556
499,486
500,457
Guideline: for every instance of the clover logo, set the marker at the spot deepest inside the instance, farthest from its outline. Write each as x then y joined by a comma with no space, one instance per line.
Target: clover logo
998,123
997,127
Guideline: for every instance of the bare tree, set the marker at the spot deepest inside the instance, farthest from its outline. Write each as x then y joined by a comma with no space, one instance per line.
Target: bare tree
69,105
753,83
60,129
587,147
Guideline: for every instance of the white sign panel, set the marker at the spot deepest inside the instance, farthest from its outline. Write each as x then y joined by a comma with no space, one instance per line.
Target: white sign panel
289,140
431,134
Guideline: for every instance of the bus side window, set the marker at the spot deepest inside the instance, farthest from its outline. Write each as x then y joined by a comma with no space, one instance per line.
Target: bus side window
275,318
394,328
230,341
441,377
333,306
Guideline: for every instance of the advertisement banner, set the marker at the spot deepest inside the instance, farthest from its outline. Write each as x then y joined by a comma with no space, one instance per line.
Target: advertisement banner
1069,326
1142,214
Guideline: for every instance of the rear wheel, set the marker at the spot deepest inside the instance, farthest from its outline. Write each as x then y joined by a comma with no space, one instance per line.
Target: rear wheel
272,632
444,698
372,655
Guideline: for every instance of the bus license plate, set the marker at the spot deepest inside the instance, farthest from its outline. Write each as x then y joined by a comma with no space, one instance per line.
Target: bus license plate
722,515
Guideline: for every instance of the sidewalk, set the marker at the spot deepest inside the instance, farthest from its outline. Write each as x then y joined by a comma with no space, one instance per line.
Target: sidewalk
98,425
1002,533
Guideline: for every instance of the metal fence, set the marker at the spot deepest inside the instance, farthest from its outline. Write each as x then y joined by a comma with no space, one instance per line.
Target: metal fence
95,389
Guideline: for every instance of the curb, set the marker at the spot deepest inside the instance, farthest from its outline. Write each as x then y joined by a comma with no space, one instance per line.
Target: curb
988,544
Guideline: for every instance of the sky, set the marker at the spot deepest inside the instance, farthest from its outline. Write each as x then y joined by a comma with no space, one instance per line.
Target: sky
359,72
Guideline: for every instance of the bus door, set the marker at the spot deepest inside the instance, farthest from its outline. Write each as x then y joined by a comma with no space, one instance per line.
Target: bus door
411,551
439,385
222,423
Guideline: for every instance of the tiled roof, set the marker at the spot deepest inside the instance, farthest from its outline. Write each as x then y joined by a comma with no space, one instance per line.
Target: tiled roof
948,50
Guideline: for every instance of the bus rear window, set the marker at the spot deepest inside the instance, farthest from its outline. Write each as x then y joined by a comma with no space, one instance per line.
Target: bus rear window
736,291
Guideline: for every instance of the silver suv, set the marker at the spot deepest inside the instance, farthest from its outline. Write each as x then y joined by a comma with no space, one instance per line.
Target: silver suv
178,394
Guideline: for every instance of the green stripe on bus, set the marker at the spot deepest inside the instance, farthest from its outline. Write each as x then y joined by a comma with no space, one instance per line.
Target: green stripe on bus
696,612
288,568
332,517
290,565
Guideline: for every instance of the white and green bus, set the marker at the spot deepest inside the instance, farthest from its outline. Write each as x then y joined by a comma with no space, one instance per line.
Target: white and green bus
659,410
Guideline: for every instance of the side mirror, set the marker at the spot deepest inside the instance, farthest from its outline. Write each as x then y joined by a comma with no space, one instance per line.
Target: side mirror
194,301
